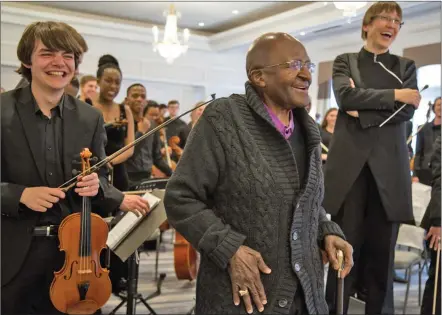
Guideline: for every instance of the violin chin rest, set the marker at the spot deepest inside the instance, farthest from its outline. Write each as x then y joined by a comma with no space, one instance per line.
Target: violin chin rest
83,307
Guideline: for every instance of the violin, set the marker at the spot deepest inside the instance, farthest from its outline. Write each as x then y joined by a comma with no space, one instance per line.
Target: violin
116,123
174,144
156,173
82,286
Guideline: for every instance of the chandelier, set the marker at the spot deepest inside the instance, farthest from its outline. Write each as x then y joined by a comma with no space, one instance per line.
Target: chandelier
170,47
350,8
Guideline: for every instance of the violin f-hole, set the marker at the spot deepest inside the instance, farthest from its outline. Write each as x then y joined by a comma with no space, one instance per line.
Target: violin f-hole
71,271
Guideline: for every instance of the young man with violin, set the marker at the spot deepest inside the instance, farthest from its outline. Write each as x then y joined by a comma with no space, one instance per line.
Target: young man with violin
43,132
147,154
367,179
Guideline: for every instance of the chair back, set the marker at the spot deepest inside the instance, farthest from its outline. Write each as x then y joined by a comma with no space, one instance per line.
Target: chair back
411,236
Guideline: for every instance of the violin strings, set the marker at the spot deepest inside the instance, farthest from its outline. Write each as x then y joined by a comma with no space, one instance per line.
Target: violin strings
82,241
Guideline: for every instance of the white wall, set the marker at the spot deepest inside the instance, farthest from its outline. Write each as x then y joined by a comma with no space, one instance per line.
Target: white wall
191,78
201,71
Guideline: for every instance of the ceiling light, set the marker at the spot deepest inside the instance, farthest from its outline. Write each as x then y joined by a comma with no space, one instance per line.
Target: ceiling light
201,24
350,8
170,47
235,11
302,33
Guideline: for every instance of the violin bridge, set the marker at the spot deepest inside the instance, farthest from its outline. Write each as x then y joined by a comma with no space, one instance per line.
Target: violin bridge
84,271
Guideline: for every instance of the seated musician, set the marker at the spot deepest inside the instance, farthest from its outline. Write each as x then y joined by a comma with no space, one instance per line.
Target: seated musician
147,154
247,192
41,127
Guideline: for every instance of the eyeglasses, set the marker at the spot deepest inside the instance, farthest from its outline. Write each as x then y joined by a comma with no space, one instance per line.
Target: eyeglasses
296,65
389,19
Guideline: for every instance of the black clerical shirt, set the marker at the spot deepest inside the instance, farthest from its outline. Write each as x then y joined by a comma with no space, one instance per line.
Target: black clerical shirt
374,75
51,139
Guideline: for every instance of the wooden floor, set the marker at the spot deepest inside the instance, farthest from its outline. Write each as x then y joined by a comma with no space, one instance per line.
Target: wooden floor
178,296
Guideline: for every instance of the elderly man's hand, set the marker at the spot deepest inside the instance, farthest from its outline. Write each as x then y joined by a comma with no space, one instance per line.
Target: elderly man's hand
332,245
244,269
434,236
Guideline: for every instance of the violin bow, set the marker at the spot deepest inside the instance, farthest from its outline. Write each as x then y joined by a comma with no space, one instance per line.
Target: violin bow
71,183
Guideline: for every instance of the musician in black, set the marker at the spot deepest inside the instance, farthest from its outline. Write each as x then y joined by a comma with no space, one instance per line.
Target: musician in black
43,131
367,177
148,153
424,144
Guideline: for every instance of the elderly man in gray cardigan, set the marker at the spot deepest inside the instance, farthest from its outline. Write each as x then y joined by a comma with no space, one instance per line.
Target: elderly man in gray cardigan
248,189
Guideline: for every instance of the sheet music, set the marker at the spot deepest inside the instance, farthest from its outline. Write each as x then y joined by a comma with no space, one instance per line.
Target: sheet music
128,222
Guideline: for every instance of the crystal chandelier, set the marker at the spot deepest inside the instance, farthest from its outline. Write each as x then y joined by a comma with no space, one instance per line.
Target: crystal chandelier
170,47
350,8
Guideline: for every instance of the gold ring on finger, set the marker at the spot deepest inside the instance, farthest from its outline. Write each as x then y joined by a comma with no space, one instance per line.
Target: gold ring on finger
243,292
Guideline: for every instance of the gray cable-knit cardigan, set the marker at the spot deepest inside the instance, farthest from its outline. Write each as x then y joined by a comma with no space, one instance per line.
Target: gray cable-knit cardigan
237,184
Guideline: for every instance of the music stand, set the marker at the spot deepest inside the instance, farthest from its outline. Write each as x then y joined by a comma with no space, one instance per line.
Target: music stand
127,249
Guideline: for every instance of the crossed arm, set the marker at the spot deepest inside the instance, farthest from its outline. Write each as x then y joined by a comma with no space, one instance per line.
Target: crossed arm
372,106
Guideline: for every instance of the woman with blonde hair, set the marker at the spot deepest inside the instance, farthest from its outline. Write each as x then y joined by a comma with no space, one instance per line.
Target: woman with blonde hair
196,114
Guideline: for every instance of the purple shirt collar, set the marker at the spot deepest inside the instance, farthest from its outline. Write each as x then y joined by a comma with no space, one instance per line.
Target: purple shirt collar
286,131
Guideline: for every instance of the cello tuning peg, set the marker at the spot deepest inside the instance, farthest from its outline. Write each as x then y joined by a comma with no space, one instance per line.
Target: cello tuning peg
213,96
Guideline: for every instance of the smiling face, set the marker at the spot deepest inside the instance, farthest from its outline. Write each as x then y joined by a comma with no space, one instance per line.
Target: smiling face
110,83
331,118
51,69
383,29
89,89
285,85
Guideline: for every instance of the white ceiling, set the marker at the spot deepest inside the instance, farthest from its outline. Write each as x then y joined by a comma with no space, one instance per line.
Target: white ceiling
216,16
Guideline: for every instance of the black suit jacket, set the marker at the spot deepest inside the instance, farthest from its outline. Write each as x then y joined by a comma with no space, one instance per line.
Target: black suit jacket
424,147
360,141
21,167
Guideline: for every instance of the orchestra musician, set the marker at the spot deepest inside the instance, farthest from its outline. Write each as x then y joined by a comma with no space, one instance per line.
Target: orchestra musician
424,144
118,118
178,128
40,127
148,153
247,192
367,175
196,114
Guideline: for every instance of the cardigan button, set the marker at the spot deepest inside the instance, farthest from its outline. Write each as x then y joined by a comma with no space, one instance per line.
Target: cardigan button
282,303
297,267
295,236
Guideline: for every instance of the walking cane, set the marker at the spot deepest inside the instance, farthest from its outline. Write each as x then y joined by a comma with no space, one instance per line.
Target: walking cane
340,286
437,277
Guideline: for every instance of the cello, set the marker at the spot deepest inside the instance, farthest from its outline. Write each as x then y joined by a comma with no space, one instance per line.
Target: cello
184,255
82,286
